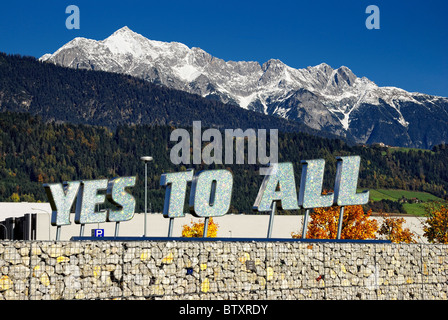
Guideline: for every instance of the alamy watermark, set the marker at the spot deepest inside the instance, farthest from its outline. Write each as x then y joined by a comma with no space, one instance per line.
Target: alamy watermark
373,20
73,20
213,141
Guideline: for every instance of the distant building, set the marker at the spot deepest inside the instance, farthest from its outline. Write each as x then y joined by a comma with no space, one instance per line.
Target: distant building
19,220
380,144
19,209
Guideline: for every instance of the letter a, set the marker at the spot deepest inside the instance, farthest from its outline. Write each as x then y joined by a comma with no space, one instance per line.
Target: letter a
281,177
373,21
72,21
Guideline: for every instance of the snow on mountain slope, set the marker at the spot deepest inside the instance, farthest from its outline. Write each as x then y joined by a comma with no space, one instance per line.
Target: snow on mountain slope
335,100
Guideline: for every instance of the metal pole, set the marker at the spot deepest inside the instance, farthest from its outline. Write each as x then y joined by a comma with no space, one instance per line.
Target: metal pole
271,218
204,234
305,223
58,233
146,159
170,227
117,227
146,195
81,230
341,217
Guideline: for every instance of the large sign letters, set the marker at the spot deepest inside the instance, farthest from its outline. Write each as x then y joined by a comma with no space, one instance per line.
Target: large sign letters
211,192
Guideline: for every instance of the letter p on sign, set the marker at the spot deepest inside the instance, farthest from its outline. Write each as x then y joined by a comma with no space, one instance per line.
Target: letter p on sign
98,233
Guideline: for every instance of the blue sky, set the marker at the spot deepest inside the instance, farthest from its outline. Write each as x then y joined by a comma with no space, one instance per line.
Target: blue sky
410,50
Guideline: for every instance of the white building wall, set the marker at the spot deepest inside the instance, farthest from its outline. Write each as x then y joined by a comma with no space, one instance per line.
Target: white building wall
230,225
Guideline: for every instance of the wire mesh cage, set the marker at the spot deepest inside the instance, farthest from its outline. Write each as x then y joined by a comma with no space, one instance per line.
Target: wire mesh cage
45,270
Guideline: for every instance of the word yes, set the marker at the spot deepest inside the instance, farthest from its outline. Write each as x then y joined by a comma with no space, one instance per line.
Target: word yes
62,197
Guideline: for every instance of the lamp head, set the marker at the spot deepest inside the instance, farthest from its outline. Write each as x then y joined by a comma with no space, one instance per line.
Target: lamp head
146,158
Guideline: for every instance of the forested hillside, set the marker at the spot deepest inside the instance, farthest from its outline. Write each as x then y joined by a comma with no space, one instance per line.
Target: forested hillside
108,99
33,151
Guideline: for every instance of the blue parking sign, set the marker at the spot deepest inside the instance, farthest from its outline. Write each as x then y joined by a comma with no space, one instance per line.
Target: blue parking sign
98,233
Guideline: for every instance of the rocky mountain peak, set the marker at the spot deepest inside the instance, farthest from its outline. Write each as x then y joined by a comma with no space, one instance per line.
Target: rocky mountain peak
324,98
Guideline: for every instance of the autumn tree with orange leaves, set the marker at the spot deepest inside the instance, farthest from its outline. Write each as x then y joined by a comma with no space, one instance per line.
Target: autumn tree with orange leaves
196,229
436,226
355,224
392,229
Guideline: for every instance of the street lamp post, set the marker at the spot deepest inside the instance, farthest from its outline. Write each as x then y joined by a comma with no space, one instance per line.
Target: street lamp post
146,159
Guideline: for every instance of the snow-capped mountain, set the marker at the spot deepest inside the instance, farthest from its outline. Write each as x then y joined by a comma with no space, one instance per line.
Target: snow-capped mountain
334,100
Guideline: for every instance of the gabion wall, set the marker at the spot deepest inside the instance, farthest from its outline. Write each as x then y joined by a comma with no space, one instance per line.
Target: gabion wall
38,270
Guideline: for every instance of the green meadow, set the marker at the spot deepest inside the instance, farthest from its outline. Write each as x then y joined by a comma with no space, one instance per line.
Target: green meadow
396,195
